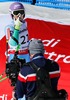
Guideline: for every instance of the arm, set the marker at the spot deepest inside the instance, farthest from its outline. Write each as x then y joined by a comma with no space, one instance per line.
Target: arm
26,82
20,88
18,91
13,41
8,31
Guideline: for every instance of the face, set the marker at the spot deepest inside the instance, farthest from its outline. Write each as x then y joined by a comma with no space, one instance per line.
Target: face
18,13
16,17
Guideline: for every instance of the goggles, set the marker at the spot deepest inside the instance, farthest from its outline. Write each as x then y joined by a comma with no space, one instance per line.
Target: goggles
22,12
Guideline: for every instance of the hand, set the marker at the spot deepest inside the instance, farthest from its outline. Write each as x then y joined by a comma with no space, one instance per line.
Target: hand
18,23
13,98
13,95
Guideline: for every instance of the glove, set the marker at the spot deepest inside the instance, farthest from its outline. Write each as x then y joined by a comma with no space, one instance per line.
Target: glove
18,24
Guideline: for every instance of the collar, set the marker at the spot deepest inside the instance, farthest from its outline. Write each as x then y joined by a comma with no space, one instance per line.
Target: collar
36,56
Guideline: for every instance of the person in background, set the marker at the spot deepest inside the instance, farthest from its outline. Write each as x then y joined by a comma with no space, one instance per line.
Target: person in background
17,33
26,83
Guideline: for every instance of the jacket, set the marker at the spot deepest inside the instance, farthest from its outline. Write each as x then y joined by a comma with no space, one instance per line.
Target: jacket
26,83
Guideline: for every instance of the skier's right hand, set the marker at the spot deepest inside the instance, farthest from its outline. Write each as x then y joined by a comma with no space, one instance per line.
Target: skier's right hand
17,23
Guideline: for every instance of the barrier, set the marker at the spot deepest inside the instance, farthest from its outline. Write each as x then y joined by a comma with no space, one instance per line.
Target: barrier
25,1
59,4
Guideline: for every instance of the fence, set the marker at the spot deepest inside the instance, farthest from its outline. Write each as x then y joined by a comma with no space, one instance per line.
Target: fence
24,1
58,4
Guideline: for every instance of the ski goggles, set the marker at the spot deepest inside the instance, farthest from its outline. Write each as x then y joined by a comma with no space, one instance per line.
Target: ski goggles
22,12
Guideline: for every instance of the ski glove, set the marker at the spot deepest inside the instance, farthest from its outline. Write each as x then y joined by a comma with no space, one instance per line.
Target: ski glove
18,24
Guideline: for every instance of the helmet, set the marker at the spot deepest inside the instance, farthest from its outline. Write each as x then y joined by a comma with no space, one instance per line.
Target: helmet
16,6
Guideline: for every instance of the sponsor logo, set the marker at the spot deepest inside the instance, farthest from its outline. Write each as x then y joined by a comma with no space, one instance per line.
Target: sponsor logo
53,55
4,97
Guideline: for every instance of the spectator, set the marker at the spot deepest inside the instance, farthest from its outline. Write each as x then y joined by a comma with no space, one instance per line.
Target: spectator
26,83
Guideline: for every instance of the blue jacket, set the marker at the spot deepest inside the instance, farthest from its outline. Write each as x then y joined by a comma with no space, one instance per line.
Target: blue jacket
26,83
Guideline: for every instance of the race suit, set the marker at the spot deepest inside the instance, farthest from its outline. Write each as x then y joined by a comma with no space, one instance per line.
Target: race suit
22,42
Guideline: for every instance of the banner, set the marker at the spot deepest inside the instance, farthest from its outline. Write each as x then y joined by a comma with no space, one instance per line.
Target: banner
56,40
